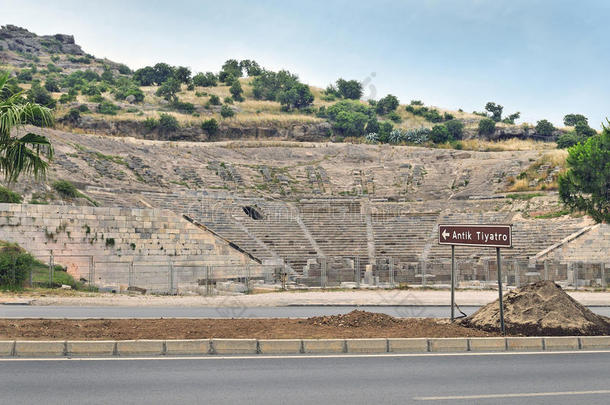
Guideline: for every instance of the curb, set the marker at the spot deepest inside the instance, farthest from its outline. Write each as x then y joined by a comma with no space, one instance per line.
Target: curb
211,347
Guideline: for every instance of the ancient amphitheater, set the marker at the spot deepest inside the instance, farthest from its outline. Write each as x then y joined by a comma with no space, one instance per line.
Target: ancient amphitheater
178,216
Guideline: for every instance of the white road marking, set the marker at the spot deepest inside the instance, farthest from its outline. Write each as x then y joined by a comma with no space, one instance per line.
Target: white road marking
292,356
516,395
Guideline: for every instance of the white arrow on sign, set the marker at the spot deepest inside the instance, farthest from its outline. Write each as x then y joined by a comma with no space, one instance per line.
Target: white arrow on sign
445,234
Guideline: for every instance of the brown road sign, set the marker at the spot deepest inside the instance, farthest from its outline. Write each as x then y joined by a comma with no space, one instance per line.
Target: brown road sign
476,235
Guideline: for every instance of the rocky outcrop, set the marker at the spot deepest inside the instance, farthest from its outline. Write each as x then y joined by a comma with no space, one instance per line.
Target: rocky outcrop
512,131
137,129
19,39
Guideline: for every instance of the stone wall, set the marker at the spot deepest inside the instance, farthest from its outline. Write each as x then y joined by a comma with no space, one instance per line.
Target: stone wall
149,248
592,246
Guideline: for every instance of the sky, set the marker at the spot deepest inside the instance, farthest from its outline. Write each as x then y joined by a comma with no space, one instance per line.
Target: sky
544,58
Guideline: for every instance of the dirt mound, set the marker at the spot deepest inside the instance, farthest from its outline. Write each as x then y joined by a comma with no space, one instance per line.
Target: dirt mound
354,319
540,309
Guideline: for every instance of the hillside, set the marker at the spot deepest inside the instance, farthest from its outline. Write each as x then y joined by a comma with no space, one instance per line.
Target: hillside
101,96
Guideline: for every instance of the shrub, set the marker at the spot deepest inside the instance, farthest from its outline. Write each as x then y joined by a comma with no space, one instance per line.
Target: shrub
207,79
418,135
168,123
583,130
544,128
228,100
214,99
151,123
487,126
433,115
396,136
72,116
40,95
65,189
455,128
124,69
350,117
439,134
372,126
387,104
106,107
51,84
91,90
184,107
236,91
372,137
393,116
385,129
226,111
8,196
15,265
417,102
447,116
210,126
25,75
568,140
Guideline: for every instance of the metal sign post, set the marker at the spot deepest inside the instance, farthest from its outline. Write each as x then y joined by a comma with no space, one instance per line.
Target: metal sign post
498,236
452,282
498,258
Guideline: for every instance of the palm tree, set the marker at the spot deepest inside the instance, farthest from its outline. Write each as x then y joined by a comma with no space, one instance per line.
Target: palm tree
25,154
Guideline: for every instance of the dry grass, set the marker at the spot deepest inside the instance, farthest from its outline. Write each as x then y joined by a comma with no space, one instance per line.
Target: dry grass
506,145
538,174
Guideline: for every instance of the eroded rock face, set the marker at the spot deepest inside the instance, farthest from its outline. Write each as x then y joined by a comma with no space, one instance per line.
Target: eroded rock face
540,309
21,40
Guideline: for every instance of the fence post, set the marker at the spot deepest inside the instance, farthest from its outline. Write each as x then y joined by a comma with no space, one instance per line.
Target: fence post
323,269
247,278
130,277
51,270
90,277
391,269
546,270
602,268
357,271
517,269
423,273
171,277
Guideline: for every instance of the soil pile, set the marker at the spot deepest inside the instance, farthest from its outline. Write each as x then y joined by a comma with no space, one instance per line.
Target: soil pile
354,319
541,309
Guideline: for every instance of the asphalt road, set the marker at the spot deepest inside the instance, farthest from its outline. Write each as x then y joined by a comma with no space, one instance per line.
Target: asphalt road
33,311
437,379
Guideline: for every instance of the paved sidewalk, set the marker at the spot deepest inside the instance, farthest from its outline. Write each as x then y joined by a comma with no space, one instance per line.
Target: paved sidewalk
361,297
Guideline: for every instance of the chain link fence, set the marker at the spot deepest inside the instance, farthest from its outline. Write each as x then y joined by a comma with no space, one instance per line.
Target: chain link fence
184,277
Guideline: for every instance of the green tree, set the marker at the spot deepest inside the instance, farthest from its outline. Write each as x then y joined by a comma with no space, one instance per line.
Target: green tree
583,130
586,184
182,74
236,91
495,110
571,120
372,126
251,67
230,68
511,118
25,154
169,89
299,96
207,79
487,126
544,128
351,89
